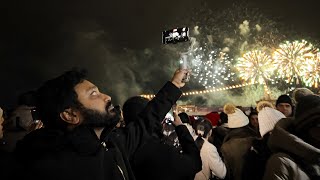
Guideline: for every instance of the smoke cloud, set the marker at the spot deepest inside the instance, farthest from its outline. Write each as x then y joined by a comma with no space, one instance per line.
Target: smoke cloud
119,43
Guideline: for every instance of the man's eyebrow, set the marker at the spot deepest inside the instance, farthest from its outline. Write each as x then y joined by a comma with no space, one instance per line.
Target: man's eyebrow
91,88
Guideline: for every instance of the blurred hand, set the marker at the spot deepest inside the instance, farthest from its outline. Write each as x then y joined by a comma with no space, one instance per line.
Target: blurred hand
36,125
177,121
178,76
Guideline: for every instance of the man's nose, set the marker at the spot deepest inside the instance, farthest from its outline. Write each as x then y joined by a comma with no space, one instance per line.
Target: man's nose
106,97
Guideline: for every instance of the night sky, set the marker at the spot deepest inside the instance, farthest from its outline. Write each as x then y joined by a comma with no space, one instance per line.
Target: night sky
41,39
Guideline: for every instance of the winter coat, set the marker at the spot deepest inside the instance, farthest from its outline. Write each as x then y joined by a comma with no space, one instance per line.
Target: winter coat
294,158
80,155
7,163
159,161
234,148
211,163
256,159
218,135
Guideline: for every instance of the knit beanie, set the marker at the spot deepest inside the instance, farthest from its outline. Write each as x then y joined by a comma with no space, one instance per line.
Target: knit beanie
262,104
236,118
213,117
284,99
267,118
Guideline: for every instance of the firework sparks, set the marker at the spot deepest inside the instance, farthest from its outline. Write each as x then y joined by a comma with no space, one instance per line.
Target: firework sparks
312,76
255,66
212,67
292,60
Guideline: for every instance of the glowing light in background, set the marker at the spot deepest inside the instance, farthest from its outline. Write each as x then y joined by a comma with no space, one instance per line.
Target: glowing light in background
255,66
292,60
211,67
232,34
150,96
312,76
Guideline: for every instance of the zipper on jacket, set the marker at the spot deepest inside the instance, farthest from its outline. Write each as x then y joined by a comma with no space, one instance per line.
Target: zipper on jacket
121,172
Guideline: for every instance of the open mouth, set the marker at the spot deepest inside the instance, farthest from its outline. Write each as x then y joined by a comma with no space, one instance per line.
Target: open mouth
111,107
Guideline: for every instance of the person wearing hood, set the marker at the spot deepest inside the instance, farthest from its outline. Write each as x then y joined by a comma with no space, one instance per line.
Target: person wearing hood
237,142
298,93
78,119
256,158
295,144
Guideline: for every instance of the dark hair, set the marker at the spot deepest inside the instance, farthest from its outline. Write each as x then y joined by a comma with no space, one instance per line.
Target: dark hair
56,95
223,118
27,98
184,117
252,113
132,107
205,126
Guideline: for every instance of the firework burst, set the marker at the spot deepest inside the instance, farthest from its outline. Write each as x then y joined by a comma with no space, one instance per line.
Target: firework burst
311,77
255,66
212,67
240,28
292,60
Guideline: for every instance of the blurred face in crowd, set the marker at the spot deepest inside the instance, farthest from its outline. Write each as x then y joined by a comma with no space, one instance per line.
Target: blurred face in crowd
254,120
96,108
285,108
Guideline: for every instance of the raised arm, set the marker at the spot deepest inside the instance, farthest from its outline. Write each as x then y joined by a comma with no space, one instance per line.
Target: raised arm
160,105
149,120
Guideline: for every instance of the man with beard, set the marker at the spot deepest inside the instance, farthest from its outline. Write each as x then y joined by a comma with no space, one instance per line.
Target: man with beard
78,119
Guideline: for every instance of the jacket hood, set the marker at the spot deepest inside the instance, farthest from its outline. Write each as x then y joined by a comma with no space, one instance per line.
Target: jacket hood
284,141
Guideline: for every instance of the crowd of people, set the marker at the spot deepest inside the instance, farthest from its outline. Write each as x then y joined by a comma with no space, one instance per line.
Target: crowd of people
68,129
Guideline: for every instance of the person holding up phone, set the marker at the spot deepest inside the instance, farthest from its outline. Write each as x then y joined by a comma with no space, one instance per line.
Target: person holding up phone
75,143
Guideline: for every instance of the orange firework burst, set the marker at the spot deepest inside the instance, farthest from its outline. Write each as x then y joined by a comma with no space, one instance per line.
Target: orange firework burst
255,66
293,58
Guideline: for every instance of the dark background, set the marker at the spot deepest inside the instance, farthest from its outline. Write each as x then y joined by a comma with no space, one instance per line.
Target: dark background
40,39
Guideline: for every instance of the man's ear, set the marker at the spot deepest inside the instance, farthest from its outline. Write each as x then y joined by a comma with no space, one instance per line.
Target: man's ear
70,116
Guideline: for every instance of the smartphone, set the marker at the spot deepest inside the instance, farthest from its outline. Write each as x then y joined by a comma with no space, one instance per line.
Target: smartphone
176,35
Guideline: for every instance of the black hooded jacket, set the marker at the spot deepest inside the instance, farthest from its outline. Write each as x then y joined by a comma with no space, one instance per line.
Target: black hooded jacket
80,155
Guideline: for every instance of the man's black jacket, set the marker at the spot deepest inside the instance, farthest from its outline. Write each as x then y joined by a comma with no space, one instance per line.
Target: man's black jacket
80,155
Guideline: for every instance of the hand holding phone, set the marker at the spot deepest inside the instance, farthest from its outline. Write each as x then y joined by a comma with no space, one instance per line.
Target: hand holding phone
184,65
174,36
178,77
